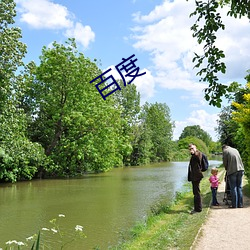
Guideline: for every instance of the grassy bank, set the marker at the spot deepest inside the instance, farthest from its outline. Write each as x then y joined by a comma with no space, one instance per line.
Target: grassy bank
170,227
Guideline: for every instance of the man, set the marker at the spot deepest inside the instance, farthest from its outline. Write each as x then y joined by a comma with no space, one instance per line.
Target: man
235,169
195,175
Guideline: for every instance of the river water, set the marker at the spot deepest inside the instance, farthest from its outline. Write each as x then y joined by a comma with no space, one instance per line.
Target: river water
104,204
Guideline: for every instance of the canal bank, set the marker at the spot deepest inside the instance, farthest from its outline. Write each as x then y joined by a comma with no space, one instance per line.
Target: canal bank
106,205
173,227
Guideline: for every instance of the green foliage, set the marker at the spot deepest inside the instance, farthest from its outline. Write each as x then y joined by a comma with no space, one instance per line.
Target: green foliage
142,145
36,243
78,129
242,117
196,131
128,101
205,28
233,123
215,147
227,127
20,158
12,50
201,146
157,123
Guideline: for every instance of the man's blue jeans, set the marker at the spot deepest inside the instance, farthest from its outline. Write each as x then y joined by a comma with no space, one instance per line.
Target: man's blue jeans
235,182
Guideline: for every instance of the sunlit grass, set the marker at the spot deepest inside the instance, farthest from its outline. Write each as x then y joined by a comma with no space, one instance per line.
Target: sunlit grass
170,226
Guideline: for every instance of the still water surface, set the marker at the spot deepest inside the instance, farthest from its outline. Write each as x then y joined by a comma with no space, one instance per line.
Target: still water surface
104,204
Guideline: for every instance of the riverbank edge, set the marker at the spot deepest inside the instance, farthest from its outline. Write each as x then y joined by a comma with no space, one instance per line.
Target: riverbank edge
171,226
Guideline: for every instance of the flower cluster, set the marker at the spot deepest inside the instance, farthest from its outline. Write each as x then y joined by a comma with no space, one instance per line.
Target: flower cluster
55,229
19,243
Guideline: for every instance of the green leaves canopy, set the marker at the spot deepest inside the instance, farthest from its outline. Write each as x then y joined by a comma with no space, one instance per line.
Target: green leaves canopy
77,128
207,24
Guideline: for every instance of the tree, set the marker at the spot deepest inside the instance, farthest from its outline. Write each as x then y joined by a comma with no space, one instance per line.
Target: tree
12,50
20,158
227,127
208,23
196,131
128,101
78,129
242,117
229,130
184,142
157,122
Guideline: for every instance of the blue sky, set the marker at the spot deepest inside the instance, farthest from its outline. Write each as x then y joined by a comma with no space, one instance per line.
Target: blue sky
156,31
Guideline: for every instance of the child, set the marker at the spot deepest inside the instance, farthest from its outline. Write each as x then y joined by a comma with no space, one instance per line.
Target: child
214,185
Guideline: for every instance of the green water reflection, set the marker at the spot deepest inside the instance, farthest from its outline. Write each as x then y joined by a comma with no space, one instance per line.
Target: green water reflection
104,204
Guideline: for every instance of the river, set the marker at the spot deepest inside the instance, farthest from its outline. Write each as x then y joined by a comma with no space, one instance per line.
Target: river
104,204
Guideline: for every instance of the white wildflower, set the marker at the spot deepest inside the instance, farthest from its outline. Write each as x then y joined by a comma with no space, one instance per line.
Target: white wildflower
61,215
78,228
10,242
29,238
45,229
20,243
54,230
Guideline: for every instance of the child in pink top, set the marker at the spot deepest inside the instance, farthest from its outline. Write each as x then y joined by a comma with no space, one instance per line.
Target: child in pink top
214,186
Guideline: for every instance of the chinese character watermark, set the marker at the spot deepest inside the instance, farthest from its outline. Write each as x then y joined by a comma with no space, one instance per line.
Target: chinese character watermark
127,65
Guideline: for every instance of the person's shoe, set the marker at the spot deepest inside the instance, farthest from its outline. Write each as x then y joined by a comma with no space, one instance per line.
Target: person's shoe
217,204
231,206
194,212
241,206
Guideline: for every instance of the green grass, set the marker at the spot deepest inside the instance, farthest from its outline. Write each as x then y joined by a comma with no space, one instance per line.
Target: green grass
170,226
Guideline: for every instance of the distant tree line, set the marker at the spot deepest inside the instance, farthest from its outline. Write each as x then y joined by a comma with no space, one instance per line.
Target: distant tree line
53,122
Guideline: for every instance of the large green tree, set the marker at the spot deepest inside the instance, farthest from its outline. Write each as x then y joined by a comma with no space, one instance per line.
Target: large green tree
196,131
184,142
210,63
19,157
156,120
78,129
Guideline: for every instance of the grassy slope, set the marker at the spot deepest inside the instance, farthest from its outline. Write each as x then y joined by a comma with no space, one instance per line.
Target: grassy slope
171,227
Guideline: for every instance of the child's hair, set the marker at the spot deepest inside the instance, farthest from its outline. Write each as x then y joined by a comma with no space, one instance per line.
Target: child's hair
214,170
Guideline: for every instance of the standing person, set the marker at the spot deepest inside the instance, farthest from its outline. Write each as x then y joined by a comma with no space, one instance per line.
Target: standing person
235,169
214,186
195,175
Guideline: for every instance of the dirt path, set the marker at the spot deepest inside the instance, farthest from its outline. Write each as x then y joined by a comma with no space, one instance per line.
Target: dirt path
225,228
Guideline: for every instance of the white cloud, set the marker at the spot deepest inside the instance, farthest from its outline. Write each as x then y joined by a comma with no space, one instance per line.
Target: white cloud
200,117
144,84
44,14
170,42
83,34
165,33
234,41
159,12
